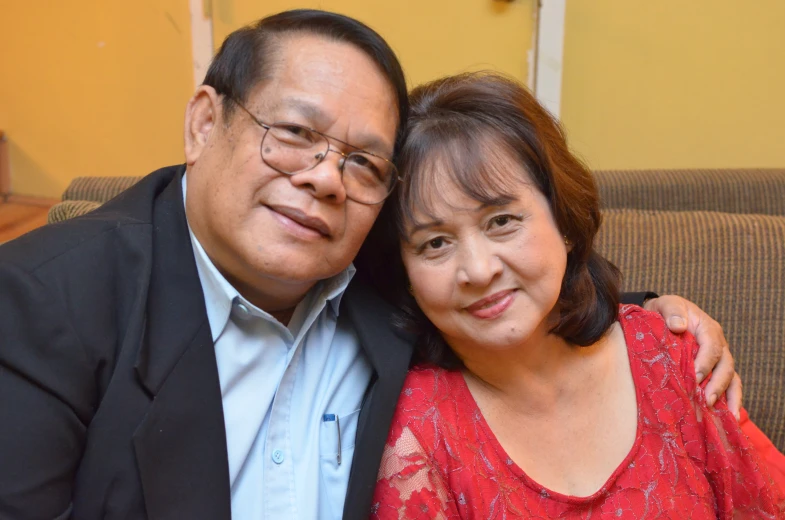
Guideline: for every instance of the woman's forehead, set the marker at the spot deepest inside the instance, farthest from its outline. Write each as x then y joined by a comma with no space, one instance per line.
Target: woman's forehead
489,178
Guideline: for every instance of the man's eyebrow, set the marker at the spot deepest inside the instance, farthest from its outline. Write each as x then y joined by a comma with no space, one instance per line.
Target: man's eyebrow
317,117
311,111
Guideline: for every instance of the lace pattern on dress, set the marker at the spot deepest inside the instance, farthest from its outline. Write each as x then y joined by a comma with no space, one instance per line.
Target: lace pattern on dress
442,461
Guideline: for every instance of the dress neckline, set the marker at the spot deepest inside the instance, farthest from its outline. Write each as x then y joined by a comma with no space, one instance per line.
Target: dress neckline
543,491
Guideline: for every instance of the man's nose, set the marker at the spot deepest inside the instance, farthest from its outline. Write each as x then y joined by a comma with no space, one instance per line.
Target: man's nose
325,180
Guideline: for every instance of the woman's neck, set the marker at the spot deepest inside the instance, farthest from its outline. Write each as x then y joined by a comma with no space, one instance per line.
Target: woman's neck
537,377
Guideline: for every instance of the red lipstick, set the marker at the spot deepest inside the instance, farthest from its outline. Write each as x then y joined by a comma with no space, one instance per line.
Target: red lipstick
492,306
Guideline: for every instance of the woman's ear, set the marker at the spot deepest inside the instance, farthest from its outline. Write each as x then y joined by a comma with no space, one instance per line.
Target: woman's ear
201,116
568,243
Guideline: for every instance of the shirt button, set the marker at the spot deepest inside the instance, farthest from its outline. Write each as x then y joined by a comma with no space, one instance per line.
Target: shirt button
277,456
242,310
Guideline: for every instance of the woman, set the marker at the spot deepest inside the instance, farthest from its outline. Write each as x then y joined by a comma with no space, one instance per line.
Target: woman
537,395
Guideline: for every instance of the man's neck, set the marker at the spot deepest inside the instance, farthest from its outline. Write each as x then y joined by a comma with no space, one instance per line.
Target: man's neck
284,316
280,303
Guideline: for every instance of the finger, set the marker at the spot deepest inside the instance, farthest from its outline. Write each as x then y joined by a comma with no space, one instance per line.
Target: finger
734,396
712,346
673,309
720,379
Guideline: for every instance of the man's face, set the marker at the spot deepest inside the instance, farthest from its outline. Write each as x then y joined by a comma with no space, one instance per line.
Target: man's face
273,235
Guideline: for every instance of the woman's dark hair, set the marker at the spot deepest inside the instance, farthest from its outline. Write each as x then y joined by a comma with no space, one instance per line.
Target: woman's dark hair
247,55
468,125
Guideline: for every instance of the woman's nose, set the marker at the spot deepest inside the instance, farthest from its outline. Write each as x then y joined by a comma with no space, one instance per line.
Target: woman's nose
479,265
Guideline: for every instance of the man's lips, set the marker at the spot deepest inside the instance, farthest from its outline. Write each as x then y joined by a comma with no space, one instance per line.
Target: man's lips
303,219
492,306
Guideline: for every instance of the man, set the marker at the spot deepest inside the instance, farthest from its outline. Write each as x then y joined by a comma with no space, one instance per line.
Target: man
193,349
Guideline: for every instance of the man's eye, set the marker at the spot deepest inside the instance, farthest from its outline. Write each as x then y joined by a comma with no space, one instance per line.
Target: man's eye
359,160
291,134
364,167
296,130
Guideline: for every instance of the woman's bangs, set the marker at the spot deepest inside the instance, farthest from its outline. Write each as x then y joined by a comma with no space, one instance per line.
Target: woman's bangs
481,168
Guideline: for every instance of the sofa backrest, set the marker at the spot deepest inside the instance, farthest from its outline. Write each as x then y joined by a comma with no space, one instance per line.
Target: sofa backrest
732,191
730,264
98,189
733,267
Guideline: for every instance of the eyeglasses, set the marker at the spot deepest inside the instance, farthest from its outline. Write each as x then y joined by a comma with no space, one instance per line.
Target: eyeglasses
290,149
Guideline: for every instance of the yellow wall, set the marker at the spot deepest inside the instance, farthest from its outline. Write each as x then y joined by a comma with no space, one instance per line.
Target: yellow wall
432,38
675,84
98,87
93,87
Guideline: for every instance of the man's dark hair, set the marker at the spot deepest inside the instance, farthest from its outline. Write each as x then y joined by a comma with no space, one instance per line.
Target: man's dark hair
468,125
247,55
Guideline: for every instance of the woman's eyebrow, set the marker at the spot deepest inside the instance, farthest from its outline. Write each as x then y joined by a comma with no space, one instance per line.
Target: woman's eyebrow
425,225
496,202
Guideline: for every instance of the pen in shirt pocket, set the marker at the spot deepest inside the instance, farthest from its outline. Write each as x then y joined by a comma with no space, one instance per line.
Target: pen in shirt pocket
331,417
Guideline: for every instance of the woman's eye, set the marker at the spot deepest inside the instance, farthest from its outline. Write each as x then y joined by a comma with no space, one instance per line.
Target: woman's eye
503,220
436,243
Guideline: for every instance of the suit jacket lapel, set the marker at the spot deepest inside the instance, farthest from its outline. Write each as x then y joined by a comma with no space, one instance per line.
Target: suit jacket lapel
181,444
389,354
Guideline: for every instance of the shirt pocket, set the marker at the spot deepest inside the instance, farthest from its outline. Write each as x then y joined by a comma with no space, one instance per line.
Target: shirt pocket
329,438
335,476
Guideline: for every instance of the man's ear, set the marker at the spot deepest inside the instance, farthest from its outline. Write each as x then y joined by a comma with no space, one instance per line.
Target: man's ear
201,117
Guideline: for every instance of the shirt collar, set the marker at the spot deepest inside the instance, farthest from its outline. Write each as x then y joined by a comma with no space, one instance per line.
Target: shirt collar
219,294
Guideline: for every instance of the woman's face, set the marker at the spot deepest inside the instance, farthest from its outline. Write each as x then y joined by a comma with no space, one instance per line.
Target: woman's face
488,277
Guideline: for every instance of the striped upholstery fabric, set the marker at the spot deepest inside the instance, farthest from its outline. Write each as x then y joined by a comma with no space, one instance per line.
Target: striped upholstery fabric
98,189
70,209
732,191
732,266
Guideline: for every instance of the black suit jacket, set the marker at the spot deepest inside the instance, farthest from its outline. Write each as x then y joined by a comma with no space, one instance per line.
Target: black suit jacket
110,405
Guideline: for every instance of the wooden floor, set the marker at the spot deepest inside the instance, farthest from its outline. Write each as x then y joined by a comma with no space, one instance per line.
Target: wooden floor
18,218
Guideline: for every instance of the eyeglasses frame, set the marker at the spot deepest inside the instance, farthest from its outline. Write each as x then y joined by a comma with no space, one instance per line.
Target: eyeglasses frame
395,177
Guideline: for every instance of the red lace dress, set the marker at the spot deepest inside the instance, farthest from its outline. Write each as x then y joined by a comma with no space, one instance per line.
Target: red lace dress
687,462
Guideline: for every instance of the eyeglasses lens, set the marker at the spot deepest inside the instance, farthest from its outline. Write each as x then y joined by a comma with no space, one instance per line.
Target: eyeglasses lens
293,149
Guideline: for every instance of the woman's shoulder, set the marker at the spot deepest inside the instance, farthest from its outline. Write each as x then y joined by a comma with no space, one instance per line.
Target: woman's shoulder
428,384
430,395
650,341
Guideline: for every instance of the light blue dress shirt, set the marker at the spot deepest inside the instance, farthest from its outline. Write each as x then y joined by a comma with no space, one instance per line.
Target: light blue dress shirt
291,397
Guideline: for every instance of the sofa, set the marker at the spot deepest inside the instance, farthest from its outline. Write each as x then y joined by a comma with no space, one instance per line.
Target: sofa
716,237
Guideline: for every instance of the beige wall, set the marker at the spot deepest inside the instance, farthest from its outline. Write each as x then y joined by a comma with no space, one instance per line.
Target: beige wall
92,88
675,84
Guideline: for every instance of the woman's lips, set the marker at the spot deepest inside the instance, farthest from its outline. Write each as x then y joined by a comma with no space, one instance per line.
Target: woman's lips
492,306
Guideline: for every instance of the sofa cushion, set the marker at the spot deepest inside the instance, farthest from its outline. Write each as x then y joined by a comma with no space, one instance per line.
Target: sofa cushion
733,267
